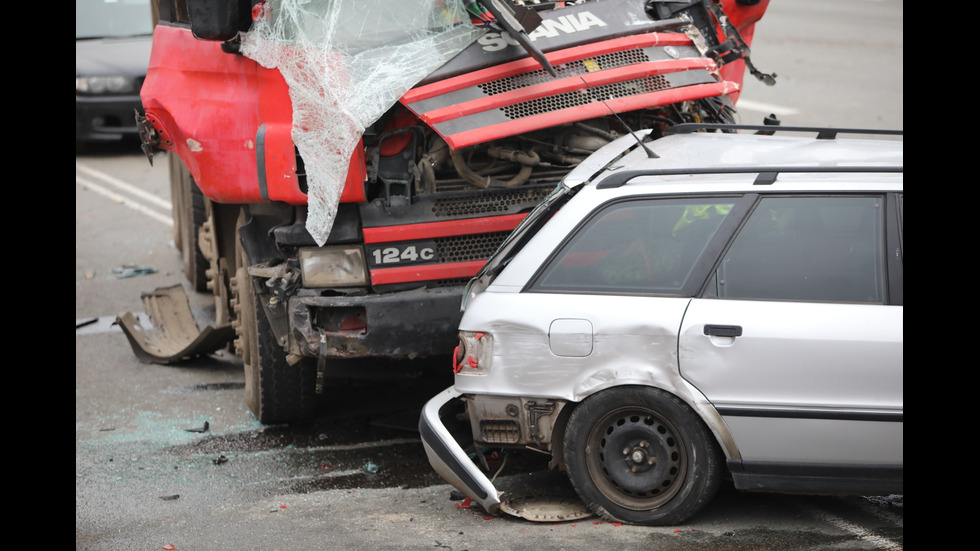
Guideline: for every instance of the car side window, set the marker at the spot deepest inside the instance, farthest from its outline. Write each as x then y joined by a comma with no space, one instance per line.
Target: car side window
807,248
639,246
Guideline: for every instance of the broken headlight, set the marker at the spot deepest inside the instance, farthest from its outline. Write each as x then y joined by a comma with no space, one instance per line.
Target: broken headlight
474,353
333,267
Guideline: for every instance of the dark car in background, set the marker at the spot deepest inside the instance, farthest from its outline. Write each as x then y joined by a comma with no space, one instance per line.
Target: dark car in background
112,52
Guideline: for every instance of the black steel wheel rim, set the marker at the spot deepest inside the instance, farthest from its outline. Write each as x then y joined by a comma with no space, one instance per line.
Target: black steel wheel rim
636,458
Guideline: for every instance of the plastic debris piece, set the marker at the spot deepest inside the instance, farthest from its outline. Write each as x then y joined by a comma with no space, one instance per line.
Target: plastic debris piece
202,429
174,497
83,323
465,504
169,546
370,467
174,335
220,460
132,270
546,508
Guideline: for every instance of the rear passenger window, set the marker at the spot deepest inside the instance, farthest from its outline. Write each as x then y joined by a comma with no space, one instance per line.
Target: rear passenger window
807,248
641,246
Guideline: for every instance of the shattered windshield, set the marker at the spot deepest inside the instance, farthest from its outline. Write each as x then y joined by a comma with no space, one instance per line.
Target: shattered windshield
112,18
347,62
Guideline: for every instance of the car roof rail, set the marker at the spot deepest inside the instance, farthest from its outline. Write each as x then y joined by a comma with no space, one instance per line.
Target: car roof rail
823,133
766,174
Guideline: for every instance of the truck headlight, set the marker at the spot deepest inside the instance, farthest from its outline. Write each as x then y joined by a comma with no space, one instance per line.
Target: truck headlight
474,353
333,267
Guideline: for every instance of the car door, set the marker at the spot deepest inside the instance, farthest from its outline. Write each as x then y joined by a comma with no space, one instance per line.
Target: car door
604,309
795,341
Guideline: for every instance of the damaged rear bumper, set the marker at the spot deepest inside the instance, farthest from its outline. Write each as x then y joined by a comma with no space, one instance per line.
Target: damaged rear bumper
448,458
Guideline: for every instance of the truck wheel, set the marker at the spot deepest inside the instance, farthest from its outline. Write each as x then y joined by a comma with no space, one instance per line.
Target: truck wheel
189,215
275,391
640,455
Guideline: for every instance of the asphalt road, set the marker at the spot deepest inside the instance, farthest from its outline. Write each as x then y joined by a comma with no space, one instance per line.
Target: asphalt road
148,476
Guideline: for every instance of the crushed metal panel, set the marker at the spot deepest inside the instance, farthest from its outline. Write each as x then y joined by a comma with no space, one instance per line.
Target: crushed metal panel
174,335
546,508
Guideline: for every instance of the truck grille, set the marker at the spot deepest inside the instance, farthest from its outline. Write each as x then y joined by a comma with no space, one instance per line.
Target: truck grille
587,96
462,248
573,68
489,202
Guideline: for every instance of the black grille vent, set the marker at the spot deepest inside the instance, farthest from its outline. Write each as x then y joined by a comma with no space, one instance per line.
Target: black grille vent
464,248
489,202
570,69
587,96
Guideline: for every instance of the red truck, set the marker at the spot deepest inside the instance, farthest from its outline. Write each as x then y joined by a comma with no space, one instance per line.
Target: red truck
426,192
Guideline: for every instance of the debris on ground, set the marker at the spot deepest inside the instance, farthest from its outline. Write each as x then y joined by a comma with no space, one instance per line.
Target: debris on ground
132,270
174,497
174,335
220,460
370,467
83,323
201,429
546,508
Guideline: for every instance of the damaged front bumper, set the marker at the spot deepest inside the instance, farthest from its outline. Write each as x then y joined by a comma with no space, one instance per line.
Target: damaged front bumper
448,458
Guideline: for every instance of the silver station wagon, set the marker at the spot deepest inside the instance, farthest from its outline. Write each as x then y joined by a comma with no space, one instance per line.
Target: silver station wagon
718,303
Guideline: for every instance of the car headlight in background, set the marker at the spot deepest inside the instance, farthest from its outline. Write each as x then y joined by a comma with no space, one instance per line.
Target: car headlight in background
333,267
474,353
110,84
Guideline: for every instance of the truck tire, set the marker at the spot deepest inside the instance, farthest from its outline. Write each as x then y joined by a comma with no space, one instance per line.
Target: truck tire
189,215
275,391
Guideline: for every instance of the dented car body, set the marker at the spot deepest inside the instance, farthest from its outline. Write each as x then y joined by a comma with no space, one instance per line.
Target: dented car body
706,305
343,168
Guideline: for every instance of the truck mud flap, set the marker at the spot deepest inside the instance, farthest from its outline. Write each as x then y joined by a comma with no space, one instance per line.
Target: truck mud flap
174,335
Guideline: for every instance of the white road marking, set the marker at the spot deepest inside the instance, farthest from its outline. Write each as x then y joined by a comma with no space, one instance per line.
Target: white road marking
861,532
123,186
103,324
131,203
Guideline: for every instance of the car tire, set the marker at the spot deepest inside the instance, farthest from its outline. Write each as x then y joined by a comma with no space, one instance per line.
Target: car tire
640,455
275,391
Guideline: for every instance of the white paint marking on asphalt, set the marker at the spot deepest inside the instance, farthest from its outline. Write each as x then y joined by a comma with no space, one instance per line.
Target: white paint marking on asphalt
124,200
761,107
870,507
124,186
861,532
103,324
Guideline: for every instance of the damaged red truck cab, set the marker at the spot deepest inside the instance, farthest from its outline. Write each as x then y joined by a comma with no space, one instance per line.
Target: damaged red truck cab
433,186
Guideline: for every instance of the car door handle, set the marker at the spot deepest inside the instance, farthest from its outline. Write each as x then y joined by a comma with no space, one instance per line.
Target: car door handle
723,330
